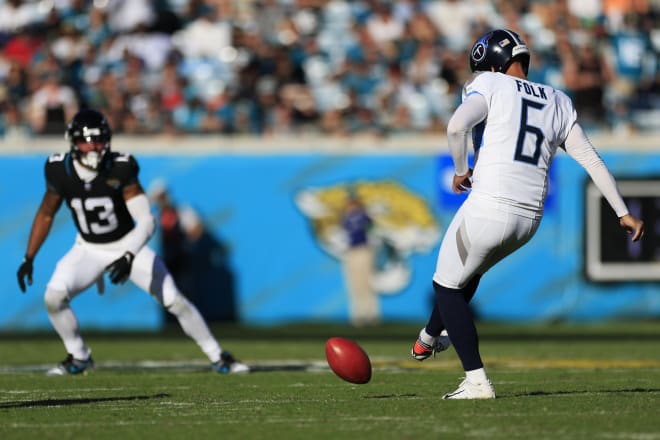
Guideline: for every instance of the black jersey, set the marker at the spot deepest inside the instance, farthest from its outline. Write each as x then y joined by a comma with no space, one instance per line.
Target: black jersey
98,207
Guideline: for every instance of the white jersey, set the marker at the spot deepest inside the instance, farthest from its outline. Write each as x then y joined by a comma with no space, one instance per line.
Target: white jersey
516,128
515,144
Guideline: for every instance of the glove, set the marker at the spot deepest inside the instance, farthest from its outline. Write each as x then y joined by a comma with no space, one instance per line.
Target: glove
120,269
25,270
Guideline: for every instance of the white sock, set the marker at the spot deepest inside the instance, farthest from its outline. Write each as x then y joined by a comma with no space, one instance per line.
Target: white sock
66,325
426,338
193,325
476,376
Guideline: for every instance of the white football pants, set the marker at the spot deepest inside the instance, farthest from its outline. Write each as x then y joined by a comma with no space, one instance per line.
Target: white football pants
481,233
85,263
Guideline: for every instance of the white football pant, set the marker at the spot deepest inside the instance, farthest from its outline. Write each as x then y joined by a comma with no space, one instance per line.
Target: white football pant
481,233
85,263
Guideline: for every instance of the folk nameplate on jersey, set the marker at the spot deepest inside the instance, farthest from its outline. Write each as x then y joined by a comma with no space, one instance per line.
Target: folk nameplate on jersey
531,89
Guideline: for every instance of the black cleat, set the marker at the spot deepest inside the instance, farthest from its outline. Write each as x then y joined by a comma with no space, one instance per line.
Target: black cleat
71,366
228,365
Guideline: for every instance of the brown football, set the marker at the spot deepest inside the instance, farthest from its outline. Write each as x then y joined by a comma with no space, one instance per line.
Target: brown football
348,360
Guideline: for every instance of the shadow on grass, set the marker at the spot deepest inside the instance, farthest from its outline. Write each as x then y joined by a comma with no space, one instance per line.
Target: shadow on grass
284,367
78,401
578,392
391,396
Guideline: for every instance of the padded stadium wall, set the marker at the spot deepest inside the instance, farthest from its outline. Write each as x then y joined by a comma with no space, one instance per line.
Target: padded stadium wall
273,213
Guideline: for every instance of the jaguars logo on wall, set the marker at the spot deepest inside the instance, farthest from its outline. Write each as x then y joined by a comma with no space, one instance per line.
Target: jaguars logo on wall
403,224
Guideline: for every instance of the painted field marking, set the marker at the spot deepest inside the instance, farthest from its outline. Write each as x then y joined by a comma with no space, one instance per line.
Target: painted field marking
378,363
502,363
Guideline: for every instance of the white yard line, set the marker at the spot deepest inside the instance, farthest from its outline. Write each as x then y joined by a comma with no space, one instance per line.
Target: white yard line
378,363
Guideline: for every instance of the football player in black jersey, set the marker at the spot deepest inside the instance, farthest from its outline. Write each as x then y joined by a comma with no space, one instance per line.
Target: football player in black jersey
114,222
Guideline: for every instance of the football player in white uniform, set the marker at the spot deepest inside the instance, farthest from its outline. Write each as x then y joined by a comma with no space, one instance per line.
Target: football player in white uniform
516,128
114,222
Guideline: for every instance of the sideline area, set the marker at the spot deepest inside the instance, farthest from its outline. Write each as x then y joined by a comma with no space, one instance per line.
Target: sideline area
305,143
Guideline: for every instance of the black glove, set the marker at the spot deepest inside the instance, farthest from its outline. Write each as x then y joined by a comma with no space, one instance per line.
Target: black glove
120,269
25,270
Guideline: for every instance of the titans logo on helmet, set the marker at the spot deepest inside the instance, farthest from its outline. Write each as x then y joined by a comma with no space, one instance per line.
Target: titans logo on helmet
479,50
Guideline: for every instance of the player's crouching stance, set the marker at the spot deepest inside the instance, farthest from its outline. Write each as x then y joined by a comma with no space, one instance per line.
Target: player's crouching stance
517,127
114,222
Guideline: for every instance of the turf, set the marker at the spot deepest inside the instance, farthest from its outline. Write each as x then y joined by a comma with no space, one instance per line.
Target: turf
560,381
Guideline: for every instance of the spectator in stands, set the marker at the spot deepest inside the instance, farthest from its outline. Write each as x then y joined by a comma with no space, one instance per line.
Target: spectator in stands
422,72
16,16
12,126
616,10
193,117
454,18
586,76
98,29
635,65
22,48
125,16
15,83
70,46
383,27
392,97
269,17
226,52
52,105
205,36
421,27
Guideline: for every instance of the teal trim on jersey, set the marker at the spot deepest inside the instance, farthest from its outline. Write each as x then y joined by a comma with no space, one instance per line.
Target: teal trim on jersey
281,272
68,163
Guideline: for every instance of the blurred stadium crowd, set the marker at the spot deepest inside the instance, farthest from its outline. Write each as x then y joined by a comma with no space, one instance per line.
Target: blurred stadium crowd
335,67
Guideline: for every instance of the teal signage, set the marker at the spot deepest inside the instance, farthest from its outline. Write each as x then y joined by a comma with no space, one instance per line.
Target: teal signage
277,220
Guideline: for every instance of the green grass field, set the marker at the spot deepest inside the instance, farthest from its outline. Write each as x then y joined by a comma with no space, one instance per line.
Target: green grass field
553,382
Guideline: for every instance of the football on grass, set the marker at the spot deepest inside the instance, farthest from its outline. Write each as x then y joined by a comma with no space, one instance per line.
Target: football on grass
348,360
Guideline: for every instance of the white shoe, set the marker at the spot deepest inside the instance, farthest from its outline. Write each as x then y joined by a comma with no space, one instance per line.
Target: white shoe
469,390
238,367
